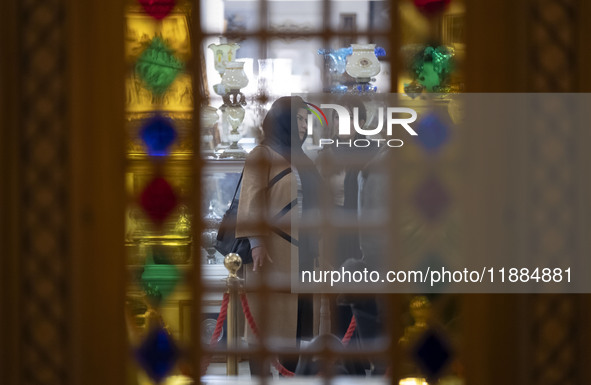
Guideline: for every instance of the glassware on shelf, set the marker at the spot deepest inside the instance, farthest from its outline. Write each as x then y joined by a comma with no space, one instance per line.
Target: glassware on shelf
350,70
209,118
208,329
265,74
210,233
182,227
363,64
413,89
209,237
223,53
335,62
235,116
262,98
233,80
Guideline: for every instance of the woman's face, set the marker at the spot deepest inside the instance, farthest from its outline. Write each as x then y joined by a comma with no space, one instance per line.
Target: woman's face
302,118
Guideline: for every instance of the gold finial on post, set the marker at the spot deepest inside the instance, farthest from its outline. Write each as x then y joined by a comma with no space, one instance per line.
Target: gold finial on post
420,311
233,263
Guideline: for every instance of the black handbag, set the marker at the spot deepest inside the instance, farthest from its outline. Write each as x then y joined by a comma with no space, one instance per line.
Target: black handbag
226,241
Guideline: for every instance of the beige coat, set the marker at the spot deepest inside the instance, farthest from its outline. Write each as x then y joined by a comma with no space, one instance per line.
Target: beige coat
258,203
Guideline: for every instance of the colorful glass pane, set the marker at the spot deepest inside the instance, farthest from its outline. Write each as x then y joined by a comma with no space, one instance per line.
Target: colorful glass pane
159,281
432,131
431,7
158,200
158,134
158,9
432,353
158,67
158,354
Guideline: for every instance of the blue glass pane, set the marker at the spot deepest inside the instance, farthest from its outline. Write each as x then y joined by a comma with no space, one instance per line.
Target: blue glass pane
432,132
158,134
432,353
158,354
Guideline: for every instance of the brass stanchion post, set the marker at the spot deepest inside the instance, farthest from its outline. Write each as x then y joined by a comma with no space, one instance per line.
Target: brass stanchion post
232,262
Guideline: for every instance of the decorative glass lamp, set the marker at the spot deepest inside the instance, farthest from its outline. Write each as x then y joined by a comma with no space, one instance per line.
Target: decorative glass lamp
223,53
363,65
233,80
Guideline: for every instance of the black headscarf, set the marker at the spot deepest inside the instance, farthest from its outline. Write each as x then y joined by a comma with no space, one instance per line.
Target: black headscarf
281,134
280,127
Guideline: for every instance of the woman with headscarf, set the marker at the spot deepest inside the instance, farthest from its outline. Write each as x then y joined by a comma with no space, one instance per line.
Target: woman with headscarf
279,183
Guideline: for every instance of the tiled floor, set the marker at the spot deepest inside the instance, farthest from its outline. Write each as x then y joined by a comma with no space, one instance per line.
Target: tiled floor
219,369
220,380
216,375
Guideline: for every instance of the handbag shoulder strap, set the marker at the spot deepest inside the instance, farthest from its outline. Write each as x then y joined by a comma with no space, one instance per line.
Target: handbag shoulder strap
272,181
280,175
237,187
242,173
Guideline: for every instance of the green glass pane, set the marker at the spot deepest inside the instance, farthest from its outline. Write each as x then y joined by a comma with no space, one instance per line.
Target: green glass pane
159,281
158,67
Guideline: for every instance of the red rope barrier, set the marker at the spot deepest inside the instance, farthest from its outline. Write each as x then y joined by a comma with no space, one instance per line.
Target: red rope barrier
350,331
217,331
248,314
251,322
281,369
275,362
220,322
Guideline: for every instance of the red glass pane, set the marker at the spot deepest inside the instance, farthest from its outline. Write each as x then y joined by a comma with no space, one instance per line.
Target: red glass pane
158,200
430,7
158,9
